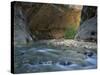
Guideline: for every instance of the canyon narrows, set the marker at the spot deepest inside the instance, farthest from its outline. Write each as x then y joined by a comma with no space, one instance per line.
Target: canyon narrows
54,37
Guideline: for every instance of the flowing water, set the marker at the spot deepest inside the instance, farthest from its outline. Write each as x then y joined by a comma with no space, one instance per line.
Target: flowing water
46,58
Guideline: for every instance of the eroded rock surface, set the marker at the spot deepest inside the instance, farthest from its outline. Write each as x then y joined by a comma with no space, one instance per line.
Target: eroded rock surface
46,21
88,30
88,26
21,33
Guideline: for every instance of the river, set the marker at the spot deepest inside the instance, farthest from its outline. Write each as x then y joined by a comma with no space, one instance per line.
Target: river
45,58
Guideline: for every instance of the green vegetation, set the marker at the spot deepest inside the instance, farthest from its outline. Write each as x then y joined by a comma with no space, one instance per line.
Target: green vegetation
70,33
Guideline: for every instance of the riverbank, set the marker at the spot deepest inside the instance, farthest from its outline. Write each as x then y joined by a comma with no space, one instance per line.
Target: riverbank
70,43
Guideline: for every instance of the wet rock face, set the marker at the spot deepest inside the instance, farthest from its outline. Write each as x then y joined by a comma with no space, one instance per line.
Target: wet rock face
88,30
21,33
88,12
88,27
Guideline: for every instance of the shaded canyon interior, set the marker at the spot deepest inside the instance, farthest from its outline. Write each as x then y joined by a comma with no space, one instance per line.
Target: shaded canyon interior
53,21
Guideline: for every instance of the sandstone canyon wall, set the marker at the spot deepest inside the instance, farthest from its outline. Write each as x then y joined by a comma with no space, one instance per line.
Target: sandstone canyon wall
40,21
48,21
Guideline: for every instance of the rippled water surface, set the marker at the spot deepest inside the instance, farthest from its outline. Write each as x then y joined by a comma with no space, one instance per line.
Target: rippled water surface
46,58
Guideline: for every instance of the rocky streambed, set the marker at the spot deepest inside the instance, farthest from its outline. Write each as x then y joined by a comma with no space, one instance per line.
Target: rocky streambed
53,55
